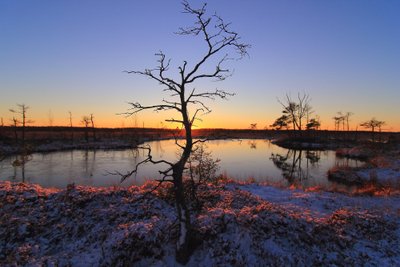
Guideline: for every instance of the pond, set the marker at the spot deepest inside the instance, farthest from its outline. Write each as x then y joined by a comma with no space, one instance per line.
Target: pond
257,160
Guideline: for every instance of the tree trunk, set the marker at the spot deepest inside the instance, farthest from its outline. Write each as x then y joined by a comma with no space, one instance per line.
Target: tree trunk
184,246
86,134
15,135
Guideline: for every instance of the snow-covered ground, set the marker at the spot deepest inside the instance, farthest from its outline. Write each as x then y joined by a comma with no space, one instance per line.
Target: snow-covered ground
239,225
382,168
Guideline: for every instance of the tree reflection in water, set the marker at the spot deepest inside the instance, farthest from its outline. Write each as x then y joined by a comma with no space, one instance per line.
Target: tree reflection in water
89,160
252,144
19,162
295,164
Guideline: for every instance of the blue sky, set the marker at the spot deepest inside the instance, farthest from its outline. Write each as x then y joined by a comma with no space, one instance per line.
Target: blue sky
60,56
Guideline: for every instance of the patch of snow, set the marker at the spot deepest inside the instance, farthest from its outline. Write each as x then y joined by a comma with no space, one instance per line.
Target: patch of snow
239,225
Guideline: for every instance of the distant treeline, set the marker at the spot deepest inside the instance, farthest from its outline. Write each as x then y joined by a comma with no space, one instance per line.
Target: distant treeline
62,133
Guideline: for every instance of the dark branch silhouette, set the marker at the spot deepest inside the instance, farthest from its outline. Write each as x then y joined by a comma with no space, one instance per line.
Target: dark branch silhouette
188,103
296,111
373,124
22,110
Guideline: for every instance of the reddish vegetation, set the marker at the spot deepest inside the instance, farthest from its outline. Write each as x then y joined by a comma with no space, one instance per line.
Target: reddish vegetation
109,226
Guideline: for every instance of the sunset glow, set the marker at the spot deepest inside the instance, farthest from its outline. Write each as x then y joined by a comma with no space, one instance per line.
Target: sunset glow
181,133
69,56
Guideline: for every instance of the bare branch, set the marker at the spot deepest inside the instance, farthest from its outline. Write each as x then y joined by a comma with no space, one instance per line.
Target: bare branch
160,76
174,120
218,39
149,158
222,38
195,114
137,107
211,95
200,141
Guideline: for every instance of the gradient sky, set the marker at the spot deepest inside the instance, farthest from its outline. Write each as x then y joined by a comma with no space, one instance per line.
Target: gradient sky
60,56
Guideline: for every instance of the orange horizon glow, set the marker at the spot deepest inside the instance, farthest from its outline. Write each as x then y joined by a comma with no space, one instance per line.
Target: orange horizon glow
205,125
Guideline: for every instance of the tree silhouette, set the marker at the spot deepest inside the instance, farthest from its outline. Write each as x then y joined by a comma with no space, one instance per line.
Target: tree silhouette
86,121
373,124
342,118
347,118
22,109
281,122
295,164
15,124
313,124
297,110
188,103
93,128
71,126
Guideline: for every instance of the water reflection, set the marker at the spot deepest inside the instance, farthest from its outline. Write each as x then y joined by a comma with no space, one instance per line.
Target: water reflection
240,160
295,164
347,162
252,144
18,163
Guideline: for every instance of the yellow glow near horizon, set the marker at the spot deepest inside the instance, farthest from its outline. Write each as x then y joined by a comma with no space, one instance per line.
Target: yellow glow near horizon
221,123
223,117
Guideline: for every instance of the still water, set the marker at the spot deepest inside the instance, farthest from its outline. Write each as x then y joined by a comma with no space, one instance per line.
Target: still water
258,160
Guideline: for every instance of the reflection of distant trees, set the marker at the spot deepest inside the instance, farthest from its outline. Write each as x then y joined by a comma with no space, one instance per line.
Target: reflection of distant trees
89,162
19,162
252,144
295,164
347,162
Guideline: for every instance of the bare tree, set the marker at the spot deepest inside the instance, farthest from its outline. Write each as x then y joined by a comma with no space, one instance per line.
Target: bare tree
22,110
313,124
253,126
86,121
188,103
51,118
373,124
93,128
15,124
71,126
338,119
281,122
344,119
347,118
297,110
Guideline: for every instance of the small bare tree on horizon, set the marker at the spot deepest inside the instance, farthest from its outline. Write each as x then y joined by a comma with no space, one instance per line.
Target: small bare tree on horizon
93,128
86,121
344,119
21,109
15,124
297,110
373,124
347,116
188,103
71,126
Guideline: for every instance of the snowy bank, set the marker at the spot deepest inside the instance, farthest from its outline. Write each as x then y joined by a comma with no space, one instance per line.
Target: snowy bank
381,170
240,224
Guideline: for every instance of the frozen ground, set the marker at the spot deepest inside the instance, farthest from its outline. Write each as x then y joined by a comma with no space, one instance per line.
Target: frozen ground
382,168
240,224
